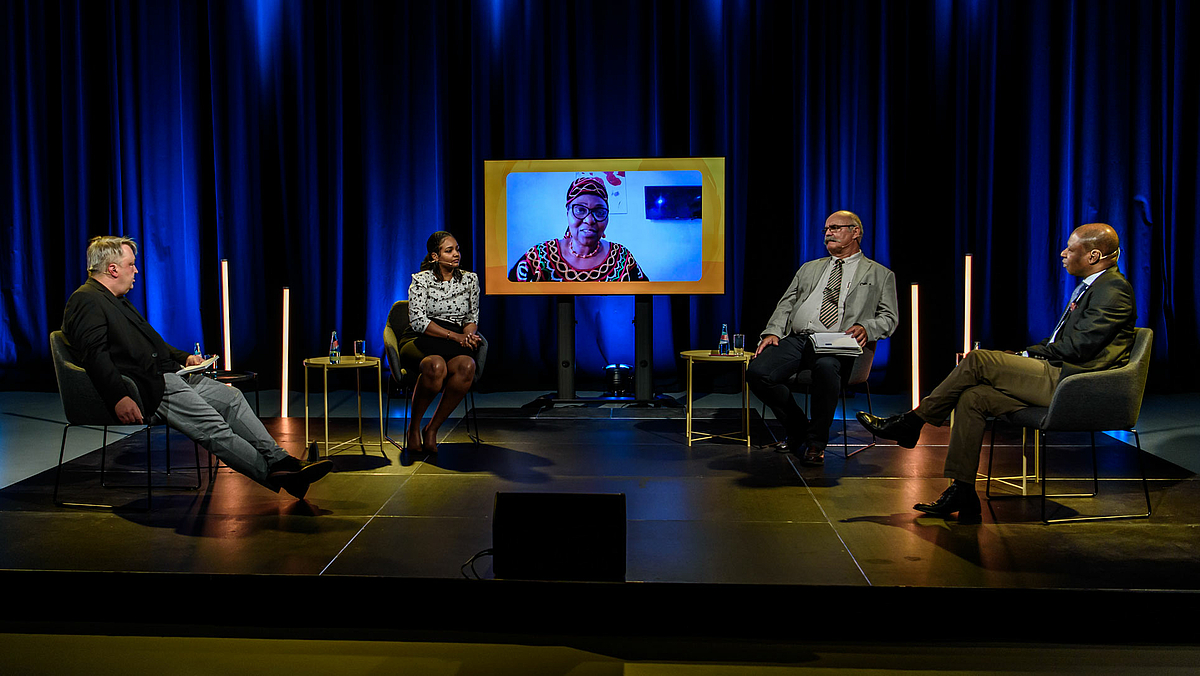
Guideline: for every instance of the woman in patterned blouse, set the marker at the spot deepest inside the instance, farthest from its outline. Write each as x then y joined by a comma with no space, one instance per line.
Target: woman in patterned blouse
581,254
442,339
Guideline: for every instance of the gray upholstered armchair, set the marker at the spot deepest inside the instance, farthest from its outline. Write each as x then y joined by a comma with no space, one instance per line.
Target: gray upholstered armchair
1097,401
83,405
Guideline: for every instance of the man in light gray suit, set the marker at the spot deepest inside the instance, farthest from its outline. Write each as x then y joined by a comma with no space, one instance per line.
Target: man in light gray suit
845,292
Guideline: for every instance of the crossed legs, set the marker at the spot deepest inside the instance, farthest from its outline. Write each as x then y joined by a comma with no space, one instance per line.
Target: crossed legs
453,378
986,383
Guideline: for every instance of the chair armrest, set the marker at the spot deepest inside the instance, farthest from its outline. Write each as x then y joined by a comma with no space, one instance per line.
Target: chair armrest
391,350
480,357
1097,401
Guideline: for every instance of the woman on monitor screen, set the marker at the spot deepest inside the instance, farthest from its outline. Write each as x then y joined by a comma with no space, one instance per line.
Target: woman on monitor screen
581,254
442,339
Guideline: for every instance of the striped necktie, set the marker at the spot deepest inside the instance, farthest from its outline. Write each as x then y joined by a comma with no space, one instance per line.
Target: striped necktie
833,290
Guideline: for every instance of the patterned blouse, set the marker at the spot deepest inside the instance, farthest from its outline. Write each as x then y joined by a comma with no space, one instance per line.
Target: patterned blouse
454,301
544,263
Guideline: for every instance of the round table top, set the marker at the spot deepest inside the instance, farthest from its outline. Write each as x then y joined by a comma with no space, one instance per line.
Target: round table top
347,362
707,355
232,376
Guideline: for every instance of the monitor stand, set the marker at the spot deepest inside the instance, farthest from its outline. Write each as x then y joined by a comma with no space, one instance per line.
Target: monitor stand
643,356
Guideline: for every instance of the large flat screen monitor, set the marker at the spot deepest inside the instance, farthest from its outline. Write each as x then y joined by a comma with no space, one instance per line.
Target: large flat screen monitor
603,227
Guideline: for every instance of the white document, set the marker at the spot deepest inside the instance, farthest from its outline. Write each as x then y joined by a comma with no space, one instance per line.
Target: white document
835,343
202,366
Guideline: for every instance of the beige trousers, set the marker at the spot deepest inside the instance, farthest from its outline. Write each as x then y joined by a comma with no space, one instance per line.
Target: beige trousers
986,383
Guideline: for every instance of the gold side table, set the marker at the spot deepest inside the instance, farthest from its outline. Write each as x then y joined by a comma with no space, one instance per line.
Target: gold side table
345,363
707,355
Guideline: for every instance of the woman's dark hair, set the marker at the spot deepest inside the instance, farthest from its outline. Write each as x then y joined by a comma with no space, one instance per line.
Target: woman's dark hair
432,245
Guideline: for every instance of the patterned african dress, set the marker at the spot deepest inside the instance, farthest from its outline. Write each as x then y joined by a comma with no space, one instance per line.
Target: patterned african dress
544,263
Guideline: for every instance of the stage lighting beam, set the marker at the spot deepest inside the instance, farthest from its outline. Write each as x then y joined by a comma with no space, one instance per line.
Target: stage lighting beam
283,381
916,352
967,304
228,356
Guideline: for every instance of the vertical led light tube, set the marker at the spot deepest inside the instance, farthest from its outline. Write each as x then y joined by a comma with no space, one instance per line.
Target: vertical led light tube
967,304
916,352
283,380
228,356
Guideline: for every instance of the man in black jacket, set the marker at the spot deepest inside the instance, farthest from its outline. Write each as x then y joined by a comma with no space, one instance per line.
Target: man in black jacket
1094,333
110,339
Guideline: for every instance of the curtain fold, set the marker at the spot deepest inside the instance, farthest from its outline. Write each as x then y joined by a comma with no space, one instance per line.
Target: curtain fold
316,145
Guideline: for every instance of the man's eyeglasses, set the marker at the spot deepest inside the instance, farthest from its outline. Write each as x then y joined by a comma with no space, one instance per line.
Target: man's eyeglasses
834,228
581,211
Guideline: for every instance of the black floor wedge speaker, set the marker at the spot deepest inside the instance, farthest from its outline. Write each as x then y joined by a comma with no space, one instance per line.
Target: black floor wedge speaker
559,536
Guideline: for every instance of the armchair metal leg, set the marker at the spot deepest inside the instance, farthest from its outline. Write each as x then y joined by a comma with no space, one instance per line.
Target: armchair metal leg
58,475
845,439
1096,479
387,417
103,459
473,415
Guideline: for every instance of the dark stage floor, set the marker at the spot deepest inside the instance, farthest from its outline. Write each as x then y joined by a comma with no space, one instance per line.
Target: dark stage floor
744,526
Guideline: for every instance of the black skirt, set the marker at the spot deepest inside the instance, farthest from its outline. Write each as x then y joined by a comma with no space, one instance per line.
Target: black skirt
416,346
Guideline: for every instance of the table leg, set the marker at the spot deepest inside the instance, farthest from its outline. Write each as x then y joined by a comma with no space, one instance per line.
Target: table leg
689,401
358,392
745,405
379,385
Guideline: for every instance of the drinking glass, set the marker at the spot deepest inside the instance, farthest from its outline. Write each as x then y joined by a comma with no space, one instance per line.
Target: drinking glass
360,350
739,343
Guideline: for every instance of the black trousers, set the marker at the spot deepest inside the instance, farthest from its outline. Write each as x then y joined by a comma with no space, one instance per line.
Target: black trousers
769,372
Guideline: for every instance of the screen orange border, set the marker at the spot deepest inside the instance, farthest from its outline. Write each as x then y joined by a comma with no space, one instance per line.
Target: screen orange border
712,275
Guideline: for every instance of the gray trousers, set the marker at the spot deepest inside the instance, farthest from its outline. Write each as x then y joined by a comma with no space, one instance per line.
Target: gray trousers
986,383
220,419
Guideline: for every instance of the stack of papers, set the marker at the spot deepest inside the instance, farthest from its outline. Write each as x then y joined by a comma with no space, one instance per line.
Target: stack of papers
836,343
199,367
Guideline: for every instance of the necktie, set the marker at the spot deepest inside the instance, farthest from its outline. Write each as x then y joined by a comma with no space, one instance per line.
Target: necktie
829,304
1079,289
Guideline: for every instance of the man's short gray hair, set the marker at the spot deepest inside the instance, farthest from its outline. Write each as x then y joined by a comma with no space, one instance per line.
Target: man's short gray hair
106,249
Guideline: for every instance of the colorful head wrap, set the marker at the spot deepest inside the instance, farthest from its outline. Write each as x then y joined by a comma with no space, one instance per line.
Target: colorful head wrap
587,185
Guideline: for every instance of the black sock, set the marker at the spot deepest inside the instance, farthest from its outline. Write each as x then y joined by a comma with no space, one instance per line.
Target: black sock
288,464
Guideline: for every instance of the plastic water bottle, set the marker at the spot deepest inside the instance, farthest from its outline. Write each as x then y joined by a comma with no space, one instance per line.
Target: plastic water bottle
335,352
723,346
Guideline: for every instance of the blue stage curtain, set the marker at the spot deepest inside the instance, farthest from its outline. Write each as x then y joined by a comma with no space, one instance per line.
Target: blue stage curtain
316,145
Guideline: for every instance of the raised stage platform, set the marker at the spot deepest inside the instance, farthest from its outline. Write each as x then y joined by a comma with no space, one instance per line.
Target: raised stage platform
724,544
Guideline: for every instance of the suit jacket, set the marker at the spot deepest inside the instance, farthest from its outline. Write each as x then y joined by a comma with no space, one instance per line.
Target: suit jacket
1098,334
110,338
871,301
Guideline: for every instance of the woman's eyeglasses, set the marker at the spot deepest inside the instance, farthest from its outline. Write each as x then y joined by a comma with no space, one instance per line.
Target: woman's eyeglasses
581,212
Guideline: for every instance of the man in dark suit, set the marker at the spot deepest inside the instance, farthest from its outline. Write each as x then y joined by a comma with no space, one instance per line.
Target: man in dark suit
1094,333
844,292
110,339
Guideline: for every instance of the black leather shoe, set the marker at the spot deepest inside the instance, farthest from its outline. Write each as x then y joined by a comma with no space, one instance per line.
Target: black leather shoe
960,498
296,476
904,429
814,456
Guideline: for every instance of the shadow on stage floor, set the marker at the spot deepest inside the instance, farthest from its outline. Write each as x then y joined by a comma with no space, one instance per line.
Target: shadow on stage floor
723,540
